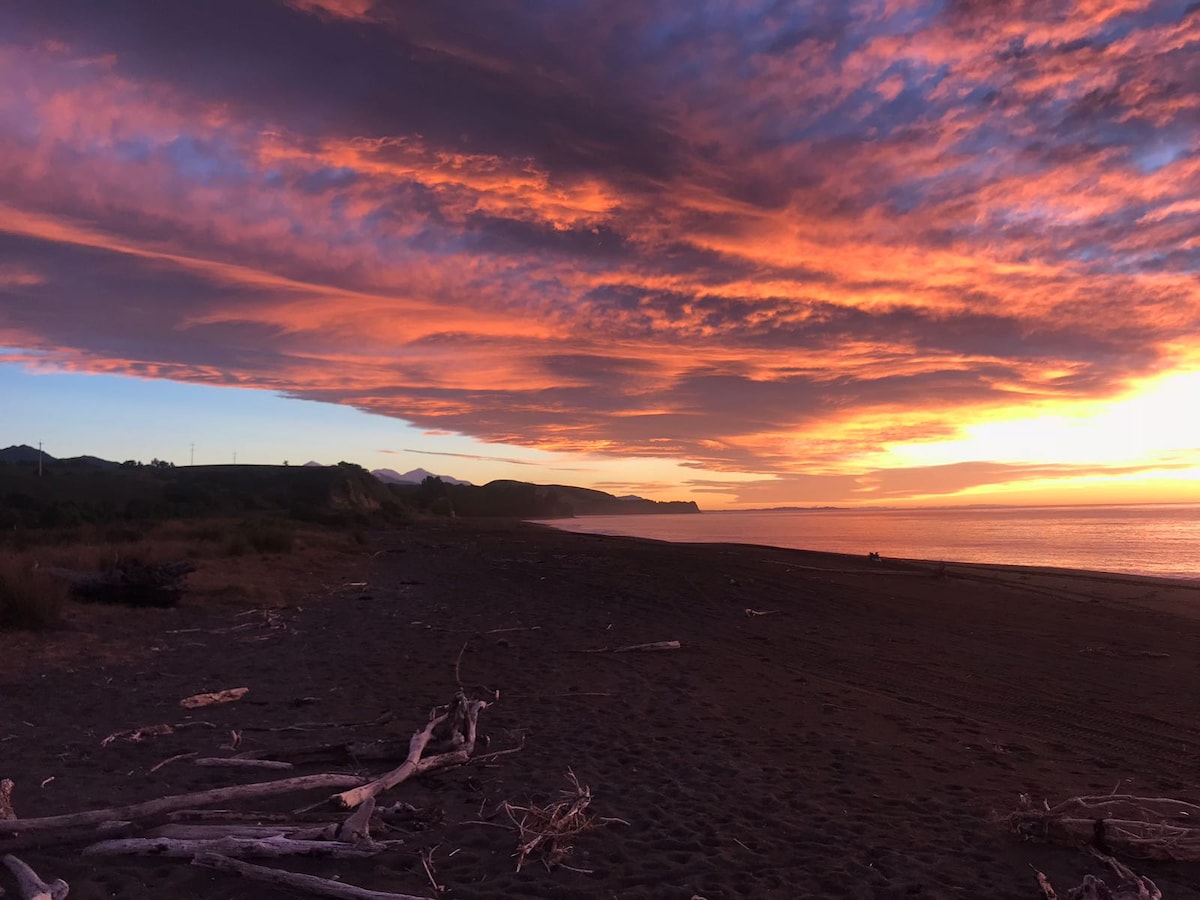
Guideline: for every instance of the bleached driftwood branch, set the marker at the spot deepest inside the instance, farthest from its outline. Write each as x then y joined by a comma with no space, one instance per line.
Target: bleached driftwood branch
229,762
308,883
30,885
654,645
214,698
1132,886
357,827
271,847
135,811
188,832
461,720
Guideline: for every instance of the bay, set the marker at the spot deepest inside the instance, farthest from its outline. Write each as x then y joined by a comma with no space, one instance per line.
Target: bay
1151,539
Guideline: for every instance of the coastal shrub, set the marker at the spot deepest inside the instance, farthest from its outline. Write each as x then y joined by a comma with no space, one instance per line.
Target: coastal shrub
262,537
237,545
122,533
210,532
272,539
442,506
29,599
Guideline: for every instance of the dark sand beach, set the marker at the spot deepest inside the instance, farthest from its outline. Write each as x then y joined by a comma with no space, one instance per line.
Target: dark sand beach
853,743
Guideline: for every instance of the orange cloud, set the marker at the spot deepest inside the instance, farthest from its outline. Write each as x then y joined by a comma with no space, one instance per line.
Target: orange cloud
832,238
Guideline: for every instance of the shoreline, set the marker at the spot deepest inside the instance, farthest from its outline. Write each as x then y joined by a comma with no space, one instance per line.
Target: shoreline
1070,557
855,737
926,565
1026,568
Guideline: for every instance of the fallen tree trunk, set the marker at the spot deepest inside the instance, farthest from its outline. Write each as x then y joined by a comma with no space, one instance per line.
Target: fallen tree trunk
135,811
308,883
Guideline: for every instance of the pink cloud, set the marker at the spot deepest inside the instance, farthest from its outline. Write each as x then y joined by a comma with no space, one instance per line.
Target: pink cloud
823,240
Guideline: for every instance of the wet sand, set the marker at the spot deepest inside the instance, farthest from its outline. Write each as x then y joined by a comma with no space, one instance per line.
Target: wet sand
852,743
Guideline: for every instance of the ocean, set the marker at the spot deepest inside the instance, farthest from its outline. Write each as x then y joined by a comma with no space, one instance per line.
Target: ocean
1158,539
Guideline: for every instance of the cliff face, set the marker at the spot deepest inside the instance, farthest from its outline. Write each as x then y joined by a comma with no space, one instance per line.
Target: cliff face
355,490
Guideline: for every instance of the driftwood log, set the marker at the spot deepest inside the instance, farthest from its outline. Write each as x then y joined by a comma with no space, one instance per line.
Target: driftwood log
229,762
653,645
336,752
188,832
214,698
271,847
307,883
149,808
219,838
30,885
357,827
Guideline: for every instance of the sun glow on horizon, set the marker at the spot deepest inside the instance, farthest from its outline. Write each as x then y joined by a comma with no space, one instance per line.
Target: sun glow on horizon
1150,424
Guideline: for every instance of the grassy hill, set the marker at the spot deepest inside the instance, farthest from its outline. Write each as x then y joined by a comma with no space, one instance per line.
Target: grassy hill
521,499
68,494
40,492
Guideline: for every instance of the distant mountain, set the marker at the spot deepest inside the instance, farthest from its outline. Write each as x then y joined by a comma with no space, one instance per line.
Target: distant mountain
23,453
588,502
312,463
415,476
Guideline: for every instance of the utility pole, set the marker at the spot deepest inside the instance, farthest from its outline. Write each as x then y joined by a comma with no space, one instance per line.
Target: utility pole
39,459
235,457
192,460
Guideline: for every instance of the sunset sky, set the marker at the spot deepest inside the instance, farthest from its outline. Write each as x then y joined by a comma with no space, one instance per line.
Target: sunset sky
748,253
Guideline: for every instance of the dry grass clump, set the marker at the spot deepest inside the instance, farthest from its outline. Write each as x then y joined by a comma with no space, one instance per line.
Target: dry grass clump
30,599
